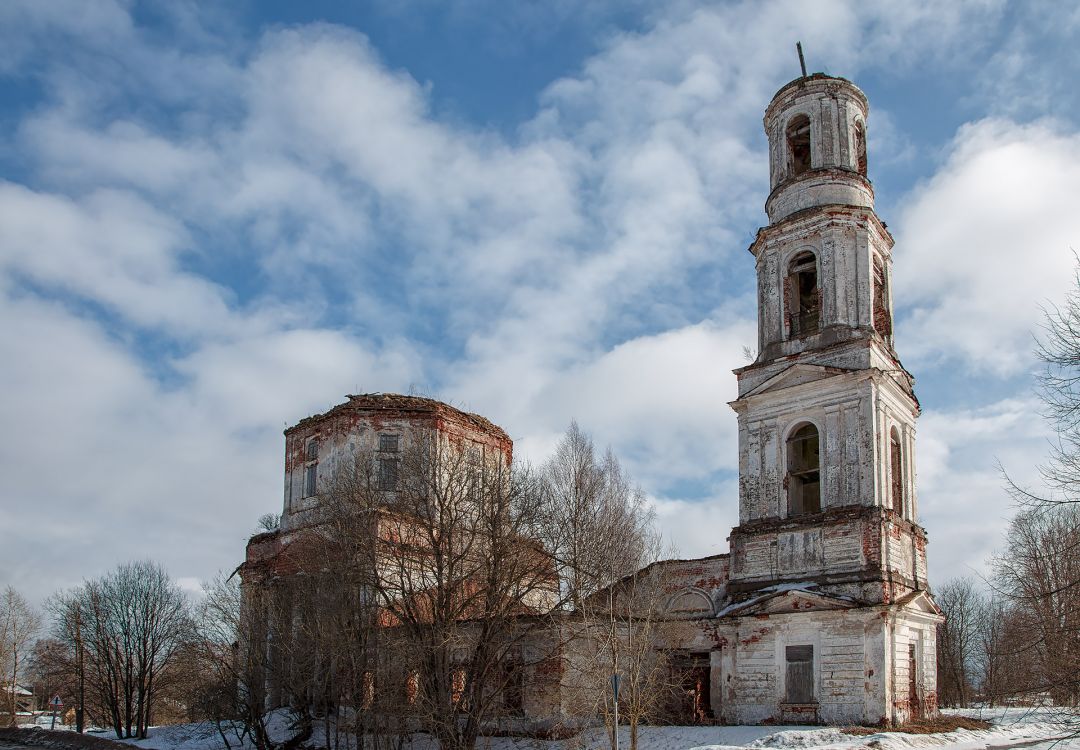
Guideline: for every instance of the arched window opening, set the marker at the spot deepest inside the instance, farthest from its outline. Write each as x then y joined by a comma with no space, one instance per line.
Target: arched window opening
882,316
860,148
798,138
804,475
804,298
896,462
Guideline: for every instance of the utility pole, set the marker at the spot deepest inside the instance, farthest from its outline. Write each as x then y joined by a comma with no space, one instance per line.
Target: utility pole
80,667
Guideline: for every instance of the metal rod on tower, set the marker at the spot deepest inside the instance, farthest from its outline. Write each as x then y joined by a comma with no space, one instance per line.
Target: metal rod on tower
802,62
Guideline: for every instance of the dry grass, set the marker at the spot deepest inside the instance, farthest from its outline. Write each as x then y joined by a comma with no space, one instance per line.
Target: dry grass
926,726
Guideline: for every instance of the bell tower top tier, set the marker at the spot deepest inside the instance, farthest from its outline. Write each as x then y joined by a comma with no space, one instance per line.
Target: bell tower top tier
817,146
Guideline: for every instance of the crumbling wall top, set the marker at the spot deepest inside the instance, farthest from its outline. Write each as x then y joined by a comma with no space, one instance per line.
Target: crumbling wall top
397,404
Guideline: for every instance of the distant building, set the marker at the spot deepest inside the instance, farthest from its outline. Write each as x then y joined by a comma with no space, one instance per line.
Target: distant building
822,611
25,703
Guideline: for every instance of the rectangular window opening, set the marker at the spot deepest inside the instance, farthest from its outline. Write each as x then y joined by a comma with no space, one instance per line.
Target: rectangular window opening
514,689
387,474
389,443
311,466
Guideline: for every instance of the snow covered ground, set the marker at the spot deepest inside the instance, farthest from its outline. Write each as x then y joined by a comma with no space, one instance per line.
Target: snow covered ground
1013,728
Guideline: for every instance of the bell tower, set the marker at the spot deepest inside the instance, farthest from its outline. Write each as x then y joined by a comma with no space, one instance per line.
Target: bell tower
826,411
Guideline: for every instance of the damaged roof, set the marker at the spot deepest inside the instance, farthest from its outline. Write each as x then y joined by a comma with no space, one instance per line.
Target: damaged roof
395,402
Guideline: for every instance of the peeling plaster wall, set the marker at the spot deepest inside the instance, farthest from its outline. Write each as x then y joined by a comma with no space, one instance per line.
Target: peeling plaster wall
695,588
353,428
839,408
909,630
833,107
848,683
844,240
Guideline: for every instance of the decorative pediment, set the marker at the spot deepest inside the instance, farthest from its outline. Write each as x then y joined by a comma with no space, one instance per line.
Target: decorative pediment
797,374
919,601
783,600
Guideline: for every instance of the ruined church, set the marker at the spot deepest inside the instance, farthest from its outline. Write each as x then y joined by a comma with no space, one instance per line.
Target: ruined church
821,612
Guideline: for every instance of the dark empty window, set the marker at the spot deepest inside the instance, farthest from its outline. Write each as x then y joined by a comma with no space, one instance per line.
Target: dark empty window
514,688
798,138
882,316
800,674
387,473
803,296
474,469
388,443
804,476
860,148
311,466
896,462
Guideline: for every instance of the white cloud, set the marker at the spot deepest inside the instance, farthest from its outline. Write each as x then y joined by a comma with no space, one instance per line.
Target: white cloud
962,496
696,528
660,400
985,242
110,248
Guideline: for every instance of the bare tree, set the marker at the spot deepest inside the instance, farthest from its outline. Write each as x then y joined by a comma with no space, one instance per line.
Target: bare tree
626,620
69,654
48,671
417,598
602,534
1004,662
1039,574
1058,347
456,572
19,623
230,643
418,593
596,525
958,640
126,627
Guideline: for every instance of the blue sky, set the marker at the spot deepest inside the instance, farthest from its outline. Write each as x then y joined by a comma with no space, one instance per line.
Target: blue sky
216,219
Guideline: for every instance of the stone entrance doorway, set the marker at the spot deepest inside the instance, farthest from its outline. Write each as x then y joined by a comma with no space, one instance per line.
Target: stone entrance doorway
691,677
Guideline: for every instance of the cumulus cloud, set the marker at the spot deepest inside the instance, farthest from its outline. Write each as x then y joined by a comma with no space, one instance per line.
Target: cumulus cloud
699,527
962,495
985,242
661,399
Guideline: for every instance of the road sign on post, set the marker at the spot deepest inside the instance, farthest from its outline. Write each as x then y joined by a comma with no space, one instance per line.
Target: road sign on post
615,683
56,704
